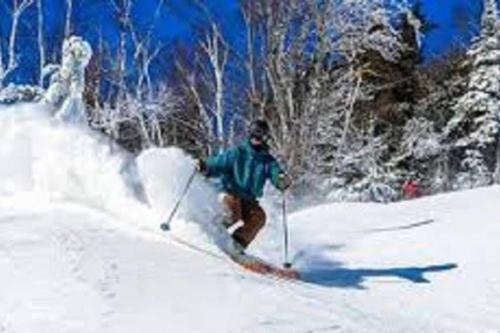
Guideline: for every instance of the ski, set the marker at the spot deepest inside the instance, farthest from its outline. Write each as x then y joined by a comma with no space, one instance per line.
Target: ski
257,265
245,261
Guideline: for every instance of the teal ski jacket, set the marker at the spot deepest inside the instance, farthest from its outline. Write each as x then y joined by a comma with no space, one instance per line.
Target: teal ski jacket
244,170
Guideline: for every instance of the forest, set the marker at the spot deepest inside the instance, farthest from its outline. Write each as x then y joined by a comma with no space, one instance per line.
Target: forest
356,111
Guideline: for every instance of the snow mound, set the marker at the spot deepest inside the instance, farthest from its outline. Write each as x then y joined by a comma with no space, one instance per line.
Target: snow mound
164,174
72,259
57,161
63,162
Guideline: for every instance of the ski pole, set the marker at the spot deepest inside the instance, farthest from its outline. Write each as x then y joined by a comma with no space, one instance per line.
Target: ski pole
286,262
166,226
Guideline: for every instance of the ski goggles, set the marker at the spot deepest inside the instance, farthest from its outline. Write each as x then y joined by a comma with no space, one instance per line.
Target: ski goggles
264,137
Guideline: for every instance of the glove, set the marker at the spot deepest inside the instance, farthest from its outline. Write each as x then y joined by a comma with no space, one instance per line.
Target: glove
284,182
201,166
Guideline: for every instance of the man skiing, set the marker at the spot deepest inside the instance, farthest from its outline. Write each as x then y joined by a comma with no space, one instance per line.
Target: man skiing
244,171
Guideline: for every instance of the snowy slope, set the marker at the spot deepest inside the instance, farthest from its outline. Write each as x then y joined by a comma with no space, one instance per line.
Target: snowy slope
80,250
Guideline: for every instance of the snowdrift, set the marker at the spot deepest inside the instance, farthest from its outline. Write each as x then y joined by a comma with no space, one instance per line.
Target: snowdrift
80,250
48,159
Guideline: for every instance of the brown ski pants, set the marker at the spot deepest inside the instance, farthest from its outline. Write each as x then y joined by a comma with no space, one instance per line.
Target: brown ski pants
253,216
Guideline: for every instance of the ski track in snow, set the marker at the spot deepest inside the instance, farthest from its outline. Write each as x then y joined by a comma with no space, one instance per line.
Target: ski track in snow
81,252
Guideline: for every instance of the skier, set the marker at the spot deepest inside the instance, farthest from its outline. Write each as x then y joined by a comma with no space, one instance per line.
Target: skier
411,189
244,171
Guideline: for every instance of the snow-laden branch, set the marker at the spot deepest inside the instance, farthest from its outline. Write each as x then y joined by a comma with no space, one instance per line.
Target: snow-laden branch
69,14
10,64
41,42
65,92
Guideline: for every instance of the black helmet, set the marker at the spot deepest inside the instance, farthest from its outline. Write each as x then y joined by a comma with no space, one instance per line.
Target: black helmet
259,129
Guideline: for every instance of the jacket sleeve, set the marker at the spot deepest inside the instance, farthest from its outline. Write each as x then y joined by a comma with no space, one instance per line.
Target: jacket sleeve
220,164
275,172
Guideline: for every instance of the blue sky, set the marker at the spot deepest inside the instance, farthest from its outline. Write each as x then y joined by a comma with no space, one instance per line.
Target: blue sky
449,32
445,13
94,16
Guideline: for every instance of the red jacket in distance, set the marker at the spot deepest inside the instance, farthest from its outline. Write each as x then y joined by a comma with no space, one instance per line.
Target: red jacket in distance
411,190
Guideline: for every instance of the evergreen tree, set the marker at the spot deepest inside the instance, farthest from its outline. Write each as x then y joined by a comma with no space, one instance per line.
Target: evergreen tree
473,130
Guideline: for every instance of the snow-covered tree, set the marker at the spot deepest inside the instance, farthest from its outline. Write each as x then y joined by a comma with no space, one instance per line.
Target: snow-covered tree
420,139
7,66
41,42
217,52
368,25
366,37
65,92
474,129
364,174
475,171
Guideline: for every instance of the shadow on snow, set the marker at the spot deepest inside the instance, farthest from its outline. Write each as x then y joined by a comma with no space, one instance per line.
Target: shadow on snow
354,278
319,270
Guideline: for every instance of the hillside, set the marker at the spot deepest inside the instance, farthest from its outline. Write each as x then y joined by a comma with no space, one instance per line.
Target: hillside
80,250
